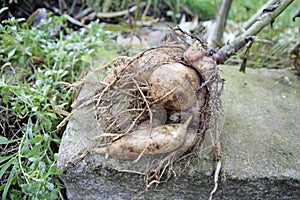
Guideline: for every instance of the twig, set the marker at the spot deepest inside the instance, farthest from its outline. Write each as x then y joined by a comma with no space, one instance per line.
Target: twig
69,18
112,14
215,36
146,10
83,13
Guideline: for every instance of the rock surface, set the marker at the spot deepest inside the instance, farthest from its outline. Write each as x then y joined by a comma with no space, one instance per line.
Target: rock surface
260,142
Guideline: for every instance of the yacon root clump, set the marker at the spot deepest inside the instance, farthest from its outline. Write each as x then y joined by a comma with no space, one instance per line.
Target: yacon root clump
159,103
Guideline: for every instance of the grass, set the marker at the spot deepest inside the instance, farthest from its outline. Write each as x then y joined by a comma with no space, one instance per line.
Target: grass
38,67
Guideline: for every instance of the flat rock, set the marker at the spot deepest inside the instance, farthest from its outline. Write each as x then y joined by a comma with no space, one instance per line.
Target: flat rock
260,143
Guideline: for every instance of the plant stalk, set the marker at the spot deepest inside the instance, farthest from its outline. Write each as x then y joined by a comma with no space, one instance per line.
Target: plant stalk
263,18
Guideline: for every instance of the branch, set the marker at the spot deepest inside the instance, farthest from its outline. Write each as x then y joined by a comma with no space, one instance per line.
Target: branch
263,18
216,33
115,14
69,18
255,17
109,14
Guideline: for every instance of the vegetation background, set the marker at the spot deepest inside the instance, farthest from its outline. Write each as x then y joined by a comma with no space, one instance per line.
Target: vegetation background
41,69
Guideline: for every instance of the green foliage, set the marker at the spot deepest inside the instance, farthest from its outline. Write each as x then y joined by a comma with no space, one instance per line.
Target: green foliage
110,5
206,9
37,65
174,10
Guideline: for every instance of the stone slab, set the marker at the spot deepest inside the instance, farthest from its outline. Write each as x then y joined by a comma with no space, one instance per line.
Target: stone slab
260,142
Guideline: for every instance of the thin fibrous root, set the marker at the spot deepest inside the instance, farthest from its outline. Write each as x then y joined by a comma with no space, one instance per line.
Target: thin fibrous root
218,168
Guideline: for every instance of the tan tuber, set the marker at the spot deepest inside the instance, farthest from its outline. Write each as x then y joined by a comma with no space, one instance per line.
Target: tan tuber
178,80
158,140
168,76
